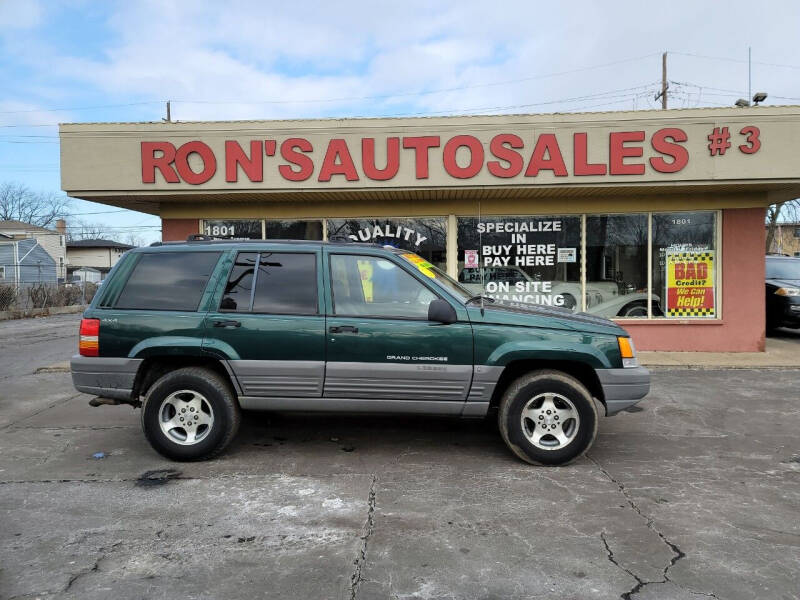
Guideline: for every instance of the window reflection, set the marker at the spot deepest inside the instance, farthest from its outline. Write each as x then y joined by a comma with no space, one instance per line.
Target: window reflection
616,265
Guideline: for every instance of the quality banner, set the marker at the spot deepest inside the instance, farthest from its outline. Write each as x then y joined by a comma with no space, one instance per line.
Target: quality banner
690,284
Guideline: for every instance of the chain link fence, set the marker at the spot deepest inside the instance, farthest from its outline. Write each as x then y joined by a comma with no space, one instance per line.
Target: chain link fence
41,295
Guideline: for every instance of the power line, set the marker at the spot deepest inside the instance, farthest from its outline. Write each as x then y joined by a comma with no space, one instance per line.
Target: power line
738,93
611,94
428,112
736,60
34,110
428,92
346,99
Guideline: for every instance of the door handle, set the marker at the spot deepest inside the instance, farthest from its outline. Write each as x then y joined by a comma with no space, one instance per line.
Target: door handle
227,323
343,329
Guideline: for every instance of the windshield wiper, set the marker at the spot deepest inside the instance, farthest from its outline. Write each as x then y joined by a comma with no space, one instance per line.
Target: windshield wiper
472,299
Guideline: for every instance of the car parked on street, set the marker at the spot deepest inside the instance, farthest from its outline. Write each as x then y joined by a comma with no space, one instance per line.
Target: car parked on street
194,332
783,292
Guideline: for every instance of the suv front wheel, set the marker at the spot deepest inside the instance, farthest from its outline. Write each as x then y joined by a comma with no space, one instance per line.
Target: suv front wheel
190,414
547,418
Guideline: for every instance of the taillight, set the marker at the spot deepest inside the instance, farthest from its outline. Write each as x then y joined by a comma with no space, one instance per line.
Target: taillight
89,344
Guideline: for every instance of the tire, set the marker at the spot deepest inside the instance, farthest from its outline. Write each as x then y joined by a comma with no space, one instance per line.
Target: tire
634,309
195,404
569,301
576,429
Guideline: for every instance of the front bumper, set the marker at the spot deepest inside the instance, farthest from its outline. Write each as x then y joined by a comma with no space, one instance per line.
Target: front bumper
107,377
623,388
790,313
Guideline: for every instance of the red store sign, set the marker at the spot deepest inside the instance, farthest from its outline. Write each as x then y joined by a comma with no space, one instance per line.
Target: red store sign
506,155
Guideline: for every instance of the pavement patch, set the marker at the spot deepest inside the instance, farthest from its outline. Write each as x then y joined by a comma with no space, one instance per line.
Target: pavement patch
59,367
157,477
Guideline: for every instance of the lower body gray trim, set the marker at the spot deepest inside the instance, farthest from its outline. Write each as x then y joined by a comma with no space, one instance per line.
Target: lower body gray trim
393,381
355,405
475,409
301,378
484,380
623,388
107,377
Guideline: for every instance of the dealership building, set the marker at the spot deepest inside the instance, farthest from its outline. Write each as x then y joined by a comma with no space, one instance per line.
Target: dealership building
652,218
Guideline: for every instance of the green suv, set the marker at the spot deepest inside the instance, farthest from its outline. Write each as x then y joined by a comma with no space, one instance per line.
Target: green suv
194,332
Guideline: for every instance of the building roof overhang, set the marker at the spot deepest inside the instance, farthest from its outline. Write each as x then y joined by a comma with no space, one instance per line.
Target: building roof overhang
721,155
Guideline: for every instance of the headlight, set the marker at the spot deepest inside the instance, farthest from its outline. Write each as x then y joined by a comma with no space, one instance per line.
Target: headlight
627,351
788,291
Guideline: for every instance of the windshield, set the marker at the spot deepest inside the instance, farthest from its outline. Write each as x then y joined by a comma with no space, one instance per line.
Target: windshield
783,268
438,275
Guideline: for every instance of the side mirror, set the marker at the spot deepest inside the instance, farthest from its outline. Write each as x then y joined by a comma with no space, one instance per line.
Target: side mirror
441,311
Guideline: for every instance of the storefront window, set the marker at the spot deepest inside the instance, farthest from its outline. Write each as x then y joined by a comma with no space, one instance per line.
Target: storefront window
522,259
684,265
294,230
233,229
426,236
616,265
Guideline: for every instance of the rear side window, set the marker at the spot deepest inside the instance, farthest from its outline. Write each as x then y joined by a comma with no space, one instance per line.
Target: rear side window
285,284
239,289
168,281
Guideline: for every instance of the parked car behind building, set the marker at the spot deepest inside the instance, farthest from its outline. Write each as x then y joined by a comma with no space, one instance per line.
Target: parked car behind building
783,292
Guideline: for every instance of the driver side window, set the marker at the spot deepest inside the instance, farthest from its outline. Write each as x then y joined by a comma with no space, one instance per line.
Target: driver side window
374,287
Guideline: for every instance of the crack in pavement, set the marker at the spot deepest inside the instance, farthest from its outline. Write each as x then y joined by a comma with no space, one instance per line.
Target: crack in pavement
93,569
677,553
40,411
369,527
610,555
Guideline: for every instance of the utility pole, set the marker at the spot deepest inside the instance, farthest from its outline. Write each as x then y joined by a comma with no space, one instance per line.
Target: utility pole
664,85
749,75
169,116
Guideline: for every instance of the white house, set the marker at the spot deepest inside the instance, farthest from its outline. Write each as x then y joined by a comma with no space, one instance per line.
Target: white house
99,255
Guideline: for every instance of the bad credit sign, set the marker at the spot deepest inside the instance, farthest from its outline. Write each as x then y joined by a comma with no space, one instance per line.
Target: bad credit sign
690,284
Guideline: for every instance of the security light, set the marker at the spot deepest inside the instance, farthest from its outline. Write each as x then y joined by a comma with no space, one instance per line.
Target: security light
742,102
759,97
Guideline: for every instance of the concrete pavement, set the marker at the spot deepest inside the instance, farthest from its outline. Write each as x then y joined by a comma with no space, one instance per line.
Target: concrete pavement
695,495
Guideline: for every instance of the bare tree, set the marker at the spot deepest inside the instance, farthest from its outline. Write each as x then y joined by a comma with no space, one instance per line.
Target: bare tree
133,239
84,230
778,213
20,203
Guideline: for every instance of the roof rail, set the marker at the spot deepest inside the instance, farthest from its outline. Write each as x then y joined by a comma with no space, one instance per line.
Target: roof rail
197,238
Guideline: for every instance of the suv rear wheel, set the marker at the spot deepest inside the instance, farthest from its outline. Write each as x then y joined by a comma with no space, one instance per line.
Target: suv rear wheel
190,414
547,418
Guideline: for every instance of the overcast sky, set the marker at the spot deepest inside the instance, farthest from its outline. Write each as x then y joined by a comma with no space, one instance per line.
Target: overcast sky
76,60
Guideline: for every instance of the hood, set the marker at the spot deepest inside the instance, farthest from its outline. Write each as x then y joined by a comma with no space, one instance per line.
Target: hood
785,282
522,314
